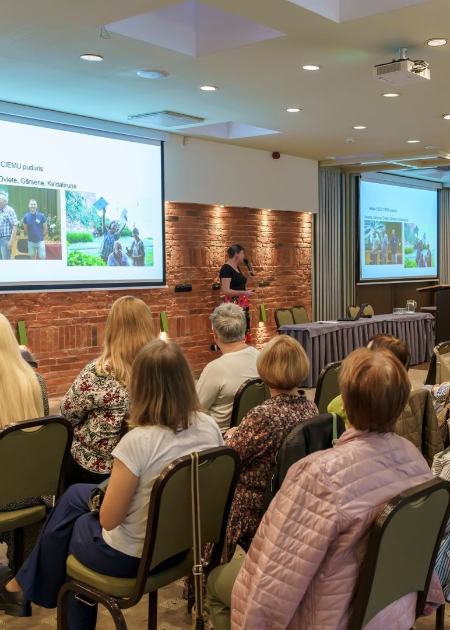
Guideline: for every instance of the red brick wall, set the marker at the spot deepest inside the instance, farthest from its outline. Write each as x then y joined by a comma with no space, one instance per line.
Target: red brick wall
65,330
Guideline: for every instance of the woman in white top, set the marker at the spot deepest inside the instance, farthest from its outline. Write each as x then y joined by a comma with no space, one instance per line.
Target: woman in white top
167,425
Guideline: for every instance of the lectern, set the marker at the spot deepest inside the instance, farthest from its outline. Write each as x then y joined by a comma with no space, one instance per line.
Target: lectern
442,310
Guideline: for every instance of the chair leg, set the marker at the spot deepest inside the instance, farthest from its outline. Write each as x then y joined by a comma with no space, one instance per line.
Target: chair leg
152,610
91,594
440,617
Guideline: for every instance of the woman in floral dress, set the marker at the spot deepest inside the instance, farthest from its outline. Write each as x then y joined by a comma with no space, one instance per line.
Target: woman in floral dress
98,401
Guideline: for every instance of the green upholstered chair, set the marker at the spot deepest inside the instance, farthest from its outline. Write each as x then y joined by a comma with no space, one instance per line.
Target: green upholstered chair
401,552
368,310
32,459
283,317
439,368
327,386
167,555
300,315
352,310
250,394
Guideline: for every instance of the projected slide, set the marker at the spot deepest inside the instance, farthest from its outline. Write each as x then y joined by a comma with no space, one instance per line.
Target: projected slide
79,207
398,232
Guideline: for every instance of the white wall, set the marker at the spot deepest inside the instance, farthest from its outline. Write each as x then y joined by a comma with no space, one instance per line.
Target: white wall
214,173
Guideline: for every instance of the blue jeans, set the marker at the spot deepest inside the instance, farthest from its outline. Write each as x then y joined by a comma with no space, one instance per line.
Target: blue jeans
36,247
5,253
71,529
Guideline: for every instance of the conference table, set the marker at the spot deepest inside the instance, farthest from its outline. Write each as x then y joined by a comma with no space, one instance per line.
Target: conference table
325,342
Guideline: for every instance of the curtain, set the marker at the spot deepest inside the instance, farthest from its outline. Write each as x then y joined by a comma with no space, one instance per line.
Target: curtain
330,245
444,231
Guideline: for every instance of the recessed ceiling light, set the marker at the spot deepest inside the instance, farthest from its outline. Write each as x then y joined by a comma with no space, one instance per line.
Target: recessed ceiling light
360,127
153,74
437,41
413,141
293,110
91,57
446,116
208,88
391,95
311,67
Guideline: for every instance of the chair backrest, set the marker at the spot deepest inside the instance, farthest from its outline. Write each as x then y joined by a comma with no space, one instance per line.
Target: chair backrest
33,455
314,434
300,315
368,310
401,551
352,310
250,394
169,525
283,317
439,364
327,386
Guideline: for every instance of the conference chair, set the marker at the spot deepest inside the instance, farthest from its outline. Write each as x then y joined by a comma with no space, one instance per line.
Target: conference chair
353,310
327,386
167,554
283,317
300,315
309,436
33,456
401,552
249,395
439,368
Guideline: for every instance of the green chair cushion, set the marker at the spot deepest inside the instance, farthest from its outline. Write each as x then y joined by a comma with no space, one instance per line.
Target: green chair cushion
21,518
123,587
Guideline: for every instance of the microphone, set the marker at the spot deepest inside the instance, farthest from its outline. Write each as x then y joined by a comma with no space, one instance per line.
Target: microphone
248,264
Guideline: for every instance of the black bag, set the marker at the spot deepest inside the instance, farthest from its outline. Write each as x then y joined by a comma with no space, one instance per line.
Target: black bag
95,499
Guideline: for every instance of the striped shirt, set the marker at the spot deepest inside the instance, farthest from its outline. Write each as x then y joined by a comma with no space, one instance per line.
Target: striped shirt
8,220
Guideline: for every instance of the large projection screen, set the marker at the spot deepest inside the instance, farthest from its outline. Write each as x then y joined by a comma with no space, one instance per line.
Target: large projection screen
398,231
81,204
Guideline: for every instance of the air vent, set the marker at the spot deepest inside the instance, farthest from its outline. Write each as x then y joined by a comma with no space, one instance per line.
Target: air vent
167,119
388,68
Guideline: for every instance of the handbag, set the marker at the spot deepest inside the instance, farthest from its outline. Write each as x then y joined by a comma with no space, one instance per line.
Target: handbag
198,621
95,499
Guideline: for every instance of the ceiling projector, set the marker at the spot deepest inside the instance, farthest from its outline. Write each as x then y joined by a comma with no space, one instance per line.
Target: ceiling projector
402,71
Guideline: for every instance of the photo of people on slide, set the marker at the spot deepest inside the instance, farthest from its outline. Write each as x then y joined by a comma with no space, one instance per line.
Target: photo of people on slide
103,232
420,245
383,242
30,223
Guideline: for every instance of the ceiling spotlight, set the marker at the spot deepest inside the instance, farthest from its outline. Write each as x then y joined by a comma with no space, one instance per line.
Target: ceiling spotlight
221,206
91,57
153,74
413,141
391,95
293,110
311,67
208,88
437,41
360,127
446,116
269,209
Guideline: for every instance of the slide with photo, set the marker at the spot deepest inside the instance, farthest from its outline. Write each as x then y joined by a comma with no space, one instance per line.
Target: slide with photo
79,208
398,236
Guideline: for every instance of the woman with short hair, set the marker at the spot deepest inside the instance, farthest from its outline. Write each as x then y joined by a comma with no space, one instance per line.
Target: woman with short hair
303,565
98,400
167,425
234,283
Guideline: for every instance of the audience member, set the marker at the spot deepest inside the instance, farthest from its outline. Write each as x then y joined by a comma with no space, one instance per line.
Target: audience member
303,565
98,400
282,365
24,397
221,378
168,425
377,342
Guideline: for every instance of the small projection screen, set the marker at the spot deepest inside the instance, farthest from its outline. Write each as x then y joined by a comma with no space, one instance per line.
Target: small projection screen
81,203
398,231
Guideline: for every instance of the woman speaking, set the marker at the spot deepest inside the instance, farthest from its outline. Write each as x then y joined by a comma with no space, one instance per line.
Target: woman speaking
234,283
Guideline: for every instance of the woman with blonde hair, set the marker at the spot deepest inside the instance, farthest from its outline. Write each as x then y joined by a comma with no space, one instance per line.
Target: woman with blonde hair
98,400
167,425
24,397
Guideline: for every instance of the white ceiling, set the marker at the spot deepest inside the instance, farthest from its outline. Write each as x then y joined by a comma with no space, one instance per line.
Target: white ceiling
41,40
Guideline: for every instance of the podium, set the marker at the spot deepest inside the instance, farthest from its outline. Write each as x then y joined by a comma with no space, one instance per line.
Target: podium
442,310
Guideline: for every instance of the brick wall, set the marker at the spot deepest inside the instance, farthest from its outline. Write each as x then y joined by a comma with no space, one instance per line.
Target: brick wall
65,330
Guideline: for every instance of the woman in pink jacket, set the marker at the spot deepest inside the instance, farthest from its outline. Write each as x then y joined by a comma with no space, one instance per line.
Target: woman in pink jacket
301,571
